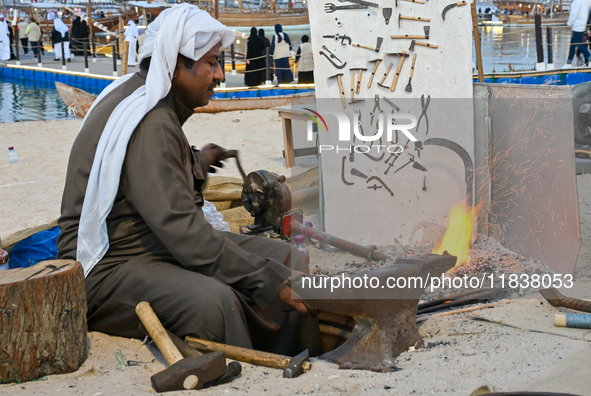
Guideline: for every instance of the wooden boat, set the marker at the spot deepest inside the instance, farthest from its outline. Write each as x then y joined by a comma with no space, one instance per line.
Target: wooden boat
79,101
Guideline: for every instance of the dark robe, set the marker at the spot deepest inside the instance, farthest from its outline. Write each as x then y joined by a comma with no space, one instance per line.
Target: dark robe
254,49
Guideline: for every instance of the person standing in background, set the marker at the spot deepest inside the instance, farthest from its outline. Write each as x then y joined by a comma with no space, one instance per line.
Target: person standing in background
254,50
76,45
22,28
579,13
280,48
4,40
266,44
306,63
34,34
60,33
12,40
131,35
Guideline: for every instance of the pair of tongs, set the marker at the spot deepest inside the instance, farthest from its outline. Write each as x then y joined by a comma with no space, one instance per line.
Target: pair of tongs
363,2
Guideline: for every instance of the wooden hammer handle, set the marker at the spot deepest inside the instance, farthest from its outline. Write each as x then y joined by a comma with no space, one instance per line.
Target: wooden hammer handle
412,66
393,87
425,44
373,73
415,18
364,46
352,85
406,36
245,355
386,73
150,321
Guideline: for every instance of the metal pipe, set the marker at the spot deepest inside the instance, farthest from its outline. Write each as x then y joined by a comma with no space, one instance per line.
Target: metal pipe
63,54
539,44
114,62
549,44
86,69
268,81
369,253
233,55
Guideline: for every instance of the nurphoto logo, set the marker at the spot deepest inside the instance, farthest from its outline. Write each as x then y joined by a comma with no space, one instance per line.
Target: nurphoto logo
346,125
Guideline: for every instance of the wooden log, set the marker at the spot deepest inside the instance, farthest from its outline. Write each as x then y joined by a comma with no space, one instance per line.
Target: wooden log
43,320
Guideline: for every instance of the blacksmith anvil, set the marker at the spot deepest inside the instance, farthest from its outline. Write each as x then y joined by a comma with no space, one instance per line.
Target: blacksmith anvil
384,316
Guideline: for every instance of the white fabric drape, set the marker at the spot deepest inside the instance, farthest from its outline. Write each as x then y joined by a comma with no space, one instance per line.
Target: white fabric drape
60,26
58,50
183,29
131,35
4,41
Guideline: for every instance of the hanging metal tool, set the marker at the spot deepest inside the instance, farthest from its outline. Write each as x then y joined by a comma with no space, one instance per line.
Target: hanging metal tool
330,60
377,47
343,173
338,37
450,6
391,103
424,105
412,45
387,13
412,70
376,108
377,61
426,29
330,8
403,55
367,3
381,181
357,173
340,81
409,18
412,159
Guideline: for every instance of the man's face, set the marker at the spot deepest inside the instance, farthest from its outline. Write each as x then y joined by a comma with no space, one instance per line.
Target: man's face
193,87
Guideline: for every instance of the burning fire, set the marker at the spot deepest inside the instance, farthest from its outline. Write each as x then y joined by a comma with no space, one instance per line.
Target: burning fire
458,236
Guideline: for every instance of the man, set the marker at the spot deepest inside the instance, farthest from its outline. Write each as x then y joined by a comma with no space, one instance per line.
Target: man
4,40
131,35
22,28
34,34
579,13
11,39
131,209
59,34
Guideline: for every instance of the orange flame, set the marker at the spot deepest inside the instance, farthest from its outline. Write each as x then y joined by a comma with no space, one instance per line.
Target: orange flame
458,236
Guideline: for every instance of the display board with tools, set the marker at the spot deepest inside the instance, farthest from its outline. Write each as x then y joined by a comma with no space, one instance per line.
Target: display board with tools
394,94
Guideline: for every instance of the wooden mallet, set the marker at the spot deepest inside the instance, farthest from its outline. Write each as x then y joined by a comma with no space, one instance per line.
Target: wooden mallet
340,80
183,373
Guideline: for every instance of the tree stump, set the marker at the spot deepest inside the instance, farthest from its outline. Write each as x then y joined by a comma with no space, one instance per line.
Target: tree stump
42,320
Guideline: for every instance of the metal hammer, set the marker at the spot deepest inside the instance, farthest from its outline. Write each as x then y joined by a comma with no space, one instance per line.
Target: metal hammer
183,373
340,80
407,36
376,49
412,45
408,18
403,55
292,367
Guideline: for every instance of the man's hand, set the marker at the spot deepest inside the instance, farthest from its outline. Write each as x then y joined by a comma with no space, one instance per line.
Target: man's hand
211,157
303,309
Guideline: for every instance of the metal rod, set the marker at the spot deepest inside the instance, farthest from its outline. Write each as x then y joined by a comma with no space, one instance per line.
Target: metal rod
63,54
118,51
93,48
233,55
16,41
39,53
343,244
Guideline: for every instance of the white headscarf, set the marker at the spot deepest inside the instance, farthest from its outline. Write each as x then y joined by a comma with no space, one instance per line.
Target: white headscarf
131,30
183,29
60,26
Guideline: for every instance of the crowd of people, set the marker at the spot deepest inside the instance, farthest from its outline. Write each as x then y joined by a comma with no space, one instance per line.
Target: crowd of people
280,48
65,41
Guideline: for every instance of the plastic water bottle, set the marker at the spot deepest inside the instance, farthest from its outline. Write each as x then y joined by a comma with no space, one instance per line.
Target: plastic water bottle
301,246
12,155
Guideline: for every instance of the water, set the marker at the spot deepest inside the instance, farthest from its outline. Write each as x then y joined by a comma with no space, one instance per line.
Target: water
504,45
32,100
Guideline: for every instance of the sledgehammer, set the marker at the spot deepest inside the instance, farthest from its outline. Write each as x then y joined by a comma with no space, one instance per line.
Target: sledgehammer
187,373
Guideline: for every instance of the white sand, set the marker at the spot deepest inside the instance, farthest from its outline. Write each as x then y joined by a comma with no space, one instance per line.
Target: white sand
460,354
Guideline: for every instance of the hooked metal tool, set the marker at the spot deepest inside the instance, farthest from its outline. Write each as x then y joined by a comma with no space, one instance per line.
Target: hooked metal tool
381,181
331,61
339,37
343,173
412,159
450,6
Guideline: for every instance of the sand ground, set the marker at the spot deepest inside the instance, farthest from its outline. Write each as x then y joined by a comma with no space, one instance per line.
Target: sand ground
462,352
